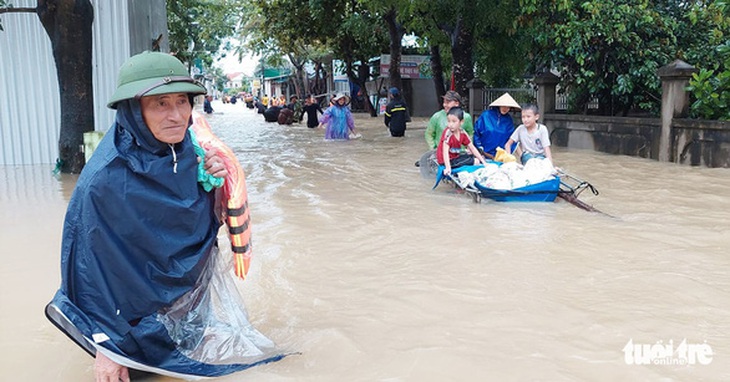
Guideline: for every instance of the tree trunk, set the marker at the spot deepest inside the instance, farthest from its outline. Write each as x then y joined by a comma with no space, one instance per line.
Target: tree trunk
437,68
354,75
396,31
329,73
299,75
461,51
580,101
360,76
312,85
298,83
363,72
319,85
305,84
68,24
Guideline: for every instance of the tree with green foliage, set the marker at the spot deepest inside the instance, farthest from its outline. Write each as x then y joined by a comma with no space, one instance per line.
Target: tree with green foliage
347,29
607,50
710,86
395,14
711,91
219,78
612,50
360,37
198,28
268,34
467,35
68,25
275,30
357,31
457,20
501,51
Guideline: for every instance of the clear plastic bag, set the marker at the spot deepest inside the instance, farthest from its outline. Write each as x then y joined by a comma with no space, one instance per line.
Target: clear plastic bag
209,324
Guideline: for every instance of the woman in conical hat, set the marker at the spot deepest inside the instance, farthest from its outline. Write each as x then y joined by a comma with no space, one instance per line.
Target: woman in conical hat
338,119
495,125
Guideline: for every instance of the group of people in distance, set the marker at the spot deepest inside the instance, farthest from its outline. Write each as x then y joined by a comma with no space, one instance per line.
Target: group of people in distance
280,111
340,125
337,119
450,133
494,128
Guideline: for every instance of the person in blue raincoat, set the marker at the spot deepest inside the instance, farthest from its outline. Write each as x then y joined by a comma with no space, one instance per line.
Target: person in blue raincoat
495,125
140,265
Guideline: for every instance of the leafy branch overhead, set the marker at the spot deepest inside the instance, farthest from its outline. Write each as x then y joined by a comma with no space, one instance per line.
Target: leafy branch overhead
611,51
197,28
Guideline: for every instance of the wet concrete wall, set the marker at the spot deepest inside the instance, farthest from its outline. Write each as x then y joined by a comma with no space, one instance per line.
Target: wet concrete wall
698,142
693,142
614,135
420,95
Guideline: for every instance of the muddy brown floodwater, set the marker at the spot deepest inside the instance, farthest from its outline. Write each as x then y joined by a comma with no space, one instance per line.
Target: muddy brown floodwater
373,276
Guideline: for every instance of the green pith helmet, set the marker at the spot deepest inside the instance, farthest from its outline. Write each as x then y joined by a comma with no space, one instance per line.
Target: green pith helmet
152,73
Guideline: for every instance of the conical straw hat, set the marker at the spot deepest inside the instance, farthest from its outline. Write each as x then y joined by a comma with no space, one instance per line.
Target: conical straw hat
342,95
506,100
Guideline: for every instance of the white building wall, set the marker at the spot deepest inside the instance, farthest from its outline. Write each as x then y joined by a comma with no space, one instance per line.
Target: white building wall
29,101
111,48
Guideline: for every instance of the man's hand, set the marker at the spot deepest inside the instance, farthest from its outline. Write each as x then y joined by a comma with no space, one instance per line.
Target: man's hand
214,164
106,370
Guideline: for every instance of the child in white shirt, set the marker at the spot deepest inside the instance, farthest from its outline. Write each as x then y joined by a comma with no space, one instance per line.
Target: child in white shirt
533,137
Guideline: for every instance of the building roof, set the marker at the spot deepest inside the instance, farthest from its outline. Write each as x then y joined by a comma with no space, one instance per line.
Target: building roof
234,75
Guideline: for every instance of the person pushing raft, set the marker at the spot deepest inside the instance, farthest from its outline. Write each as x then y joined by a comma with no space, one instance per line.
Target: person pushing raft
144,285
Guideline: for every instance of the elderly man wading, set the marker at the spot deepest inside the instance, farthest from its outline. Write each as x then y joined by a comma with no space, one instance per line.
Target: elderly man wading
143,283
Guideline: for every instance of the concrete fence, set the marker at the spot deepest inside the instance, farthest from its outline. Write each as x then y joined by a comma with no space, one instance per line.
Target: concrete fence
670,138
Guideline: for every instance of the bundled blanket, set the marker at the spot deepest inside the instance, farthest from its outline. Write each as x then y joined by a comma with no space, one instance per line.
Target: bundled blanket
507,176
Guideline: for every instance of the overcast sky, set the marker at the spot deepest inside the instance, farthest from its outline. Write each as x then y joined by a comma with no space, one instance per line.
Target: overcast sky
230,64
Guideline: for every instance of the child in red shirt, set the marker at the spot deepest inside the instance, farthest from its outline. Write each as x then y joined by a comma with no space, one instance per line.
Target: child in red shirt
448,152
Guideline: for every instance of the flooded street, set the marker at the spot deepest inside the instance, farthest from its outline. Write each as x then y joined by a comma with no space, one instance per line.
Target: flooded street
372,276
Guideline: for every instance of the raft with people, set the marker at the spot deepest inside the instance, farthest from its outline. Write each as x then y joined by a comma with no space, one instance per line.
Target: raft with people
485,166
505,180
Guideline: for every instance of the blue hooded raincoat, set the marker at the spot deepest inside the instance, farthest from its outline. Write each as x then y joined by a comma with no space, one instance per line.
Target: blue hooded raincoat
492,130
138,238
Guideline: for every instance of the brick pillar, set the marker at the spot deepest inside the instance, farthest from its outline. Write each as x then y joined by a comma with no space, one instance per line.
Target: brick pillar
546,84
675,102
476,97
